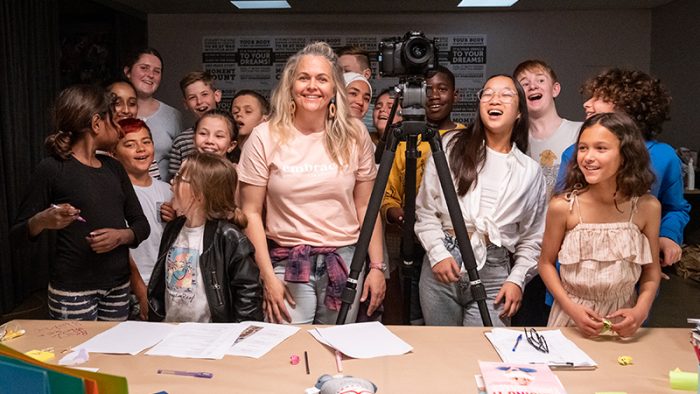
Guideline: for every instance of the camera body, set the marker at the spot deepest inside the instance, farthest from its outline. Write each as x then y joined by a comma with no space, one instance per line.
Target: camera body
411,55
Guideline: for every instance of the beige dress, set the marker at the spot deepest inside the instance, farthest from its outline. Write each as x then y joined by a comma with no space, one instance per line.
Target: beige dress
600,265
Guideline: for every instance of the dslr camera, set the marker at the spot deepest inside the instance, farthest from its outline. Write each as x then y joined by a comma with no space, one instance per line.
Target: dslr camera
411,55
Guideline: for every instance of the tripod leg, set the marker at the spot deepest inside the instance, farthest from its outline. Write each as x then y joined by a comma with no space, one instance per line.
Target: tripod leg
358,259
408,246
465,248
407,282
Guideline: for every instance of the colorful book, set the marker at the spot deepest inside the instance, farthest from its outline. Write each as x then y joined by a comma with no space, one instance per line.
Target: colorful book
95,383
504,378
20,379
58,383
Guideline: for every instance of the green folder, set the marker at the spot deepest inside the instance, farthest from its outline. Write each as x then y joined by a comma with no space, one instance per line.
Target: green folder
23,379
58,383
94,382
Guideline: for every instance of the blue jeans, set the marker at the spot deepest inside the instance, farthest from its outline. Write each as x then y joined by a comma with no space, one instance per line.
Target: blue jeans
309,297
452,304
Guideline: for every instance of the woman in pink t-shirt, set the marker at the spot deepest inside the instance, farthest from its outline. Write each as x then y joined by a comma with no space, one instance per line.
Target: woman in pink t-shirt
312,167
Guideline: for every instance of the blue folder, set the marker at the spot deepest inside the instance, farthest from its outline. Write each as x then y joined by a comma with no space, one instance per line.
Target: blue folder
18,377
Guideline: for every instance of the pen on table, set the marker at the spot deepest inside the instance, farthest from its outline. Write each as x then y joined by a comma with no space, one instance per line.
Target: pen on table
306,362
79,218
206,375
571,365
517,341
339,361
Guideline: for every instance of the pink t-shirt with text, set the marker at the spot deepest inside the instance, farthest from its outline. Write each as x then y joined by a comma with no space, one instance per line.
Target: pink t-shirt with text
309,198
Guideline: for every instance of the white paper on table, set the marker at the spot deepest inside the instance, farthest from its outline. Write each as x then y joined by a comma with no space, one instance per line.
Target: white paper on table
561,350
262,341
314,333
364,340
129,337
198,340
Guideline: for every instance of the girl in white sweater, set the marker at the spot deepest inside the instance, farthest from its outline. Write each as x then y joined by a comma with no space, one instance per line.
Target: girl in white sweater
501,192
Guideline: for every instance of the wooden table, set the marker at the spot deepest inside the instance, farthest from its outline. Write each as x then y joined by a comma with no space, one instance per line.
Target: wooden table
444,360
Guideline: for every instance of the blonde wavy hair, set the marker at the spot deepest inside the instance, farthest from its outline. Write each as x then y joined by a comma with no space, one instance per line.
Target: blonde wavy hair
341,131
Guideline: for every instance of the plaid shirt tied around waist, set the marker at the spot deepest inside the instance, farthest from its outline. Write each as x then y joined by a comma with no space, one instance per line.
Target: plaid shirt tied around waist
298,269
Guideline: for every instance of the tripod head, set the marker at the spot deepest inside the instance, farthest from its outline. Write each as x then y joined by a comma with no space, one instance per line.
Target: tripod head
411,94
413,102
414,95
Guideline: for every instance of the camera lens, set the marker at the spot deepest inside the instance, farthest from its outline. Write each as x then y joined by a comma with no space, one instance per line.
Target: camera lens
417,50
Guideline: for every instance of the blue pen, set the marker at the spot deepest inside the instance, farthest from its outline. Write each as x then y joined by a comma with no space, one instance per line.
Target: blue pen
517,341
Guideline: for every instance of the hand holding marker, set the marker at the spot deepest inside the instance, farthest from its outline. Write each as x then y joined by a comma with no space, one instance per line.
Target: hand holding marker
78,218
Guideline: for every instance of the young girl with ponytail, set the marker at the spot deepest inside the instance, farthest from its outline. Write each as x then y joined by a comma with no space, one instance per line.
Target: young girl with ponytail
88,200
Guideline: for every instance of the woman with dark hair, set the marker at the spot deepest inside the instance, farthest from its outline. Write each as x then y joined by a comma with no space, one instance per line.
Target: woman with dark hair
648,103
124,100
501,192
144,71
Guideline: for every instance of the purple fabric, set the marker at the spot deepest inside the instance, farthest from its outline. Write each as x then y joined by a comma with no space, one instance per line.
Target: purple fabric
298,269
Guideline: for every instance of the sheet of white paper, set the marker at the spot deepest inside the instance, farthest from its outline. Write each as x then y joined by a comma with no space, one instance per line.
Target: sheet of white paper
262,338
561,350
364,340
314,333
129,337
198,340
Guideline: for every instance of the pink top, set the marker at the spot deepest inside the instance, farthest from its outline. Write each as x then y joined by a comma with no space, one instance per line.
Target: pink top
309,198
600,265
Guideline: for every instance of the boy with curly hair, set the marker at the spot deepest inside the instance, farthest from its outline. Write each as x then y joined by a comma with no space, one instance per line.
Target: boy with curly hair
647,101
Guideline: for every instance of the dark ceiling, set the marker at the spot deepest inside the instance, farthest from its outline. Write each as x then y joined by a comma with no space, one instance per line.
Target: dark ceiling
144,7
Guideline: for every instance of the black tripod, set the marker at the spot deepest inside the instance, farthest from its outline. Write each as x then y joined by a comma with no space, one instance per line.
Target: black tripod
412,95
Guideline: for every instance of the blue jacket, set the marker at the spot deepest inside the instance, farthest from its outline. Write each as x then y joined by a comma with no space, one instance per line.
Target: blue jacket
667,188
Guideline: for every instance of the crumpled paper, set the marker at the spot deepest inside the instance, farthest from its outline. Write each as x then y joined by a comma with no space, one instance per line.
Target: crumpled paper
75,357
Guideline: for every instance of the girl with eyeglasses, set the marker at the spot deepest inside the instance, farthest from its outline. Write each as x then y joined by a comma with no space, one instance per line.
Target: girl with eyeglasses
205,270
501,192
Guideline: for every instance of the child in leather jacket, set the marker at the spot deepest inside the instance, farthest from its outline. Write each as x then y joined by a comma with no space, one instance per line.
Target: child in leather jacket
205,270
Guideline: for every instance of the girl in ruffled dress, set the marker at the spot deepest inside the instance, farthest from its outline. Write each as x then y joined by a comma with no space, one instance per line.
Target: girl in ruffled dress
604,229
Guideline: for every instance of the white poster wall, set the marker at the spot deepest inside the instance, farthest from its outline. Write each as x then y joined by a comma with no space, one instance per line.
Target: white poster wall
256,63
